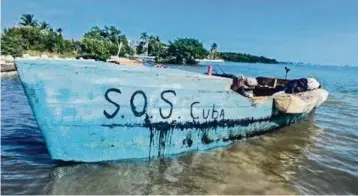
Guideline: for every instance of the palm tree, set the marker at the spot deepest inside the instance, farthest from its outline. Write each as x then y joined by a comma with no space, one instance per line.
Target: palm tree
113,33
59,31
144,36
28,20
154,45
44,25
214,47
214,50
121,41
143,44
105,33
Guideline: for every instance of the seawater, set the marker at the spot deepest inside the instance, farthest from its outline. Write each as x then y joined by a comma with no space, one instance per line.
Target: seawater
318,155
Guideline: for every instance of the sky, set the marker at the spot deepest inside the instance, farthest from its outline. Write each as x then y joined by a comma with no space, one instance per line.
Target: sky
311,31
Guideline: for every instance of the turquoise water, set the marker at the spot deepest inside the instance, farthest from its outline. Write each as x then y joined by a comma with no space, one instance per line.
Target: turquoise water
318,155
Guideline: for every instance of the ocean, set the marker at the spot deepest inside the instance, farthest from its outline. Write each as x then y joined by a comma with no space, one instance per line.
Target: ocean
318,155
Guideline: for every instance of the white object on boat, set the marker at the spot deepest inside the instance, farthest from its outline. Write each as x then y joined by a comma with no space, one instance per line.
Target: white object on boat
300,102
312,83
251,81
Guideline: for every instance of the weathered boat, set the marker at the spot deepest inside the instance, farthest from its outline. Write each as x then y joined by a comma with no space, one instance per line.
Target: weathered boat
96,111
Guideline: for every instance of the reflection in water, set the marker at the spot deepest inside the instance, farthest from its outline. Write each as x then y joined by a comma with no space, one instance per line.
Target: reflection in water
262,165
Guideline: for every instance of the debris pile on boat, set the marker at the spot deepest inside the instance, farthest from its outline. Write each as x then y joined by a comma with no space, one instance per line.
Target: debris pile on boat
290,96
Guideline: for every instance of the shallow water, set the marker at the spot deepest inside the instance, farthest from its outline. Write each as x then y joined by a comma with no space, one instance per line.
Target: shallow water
318,155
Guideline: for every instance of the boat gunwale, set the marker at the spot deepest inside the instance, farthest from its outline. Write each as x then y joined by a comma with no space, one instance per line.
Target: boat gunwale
124,68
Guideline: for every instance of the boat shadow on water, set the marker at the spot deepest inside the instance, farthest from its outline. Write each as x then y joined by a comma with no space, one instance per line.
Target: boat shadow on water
259,165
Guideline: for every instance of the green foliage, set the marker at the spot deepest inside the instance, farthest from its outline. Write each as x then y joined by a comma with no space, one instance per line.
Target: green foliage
97,43
44,25
30,35
28,20
150,44
126,50
94,48
101,43
143,44
59,30
11,45
214,51
140,49
112,39
35,38
155,47
247,58
186,50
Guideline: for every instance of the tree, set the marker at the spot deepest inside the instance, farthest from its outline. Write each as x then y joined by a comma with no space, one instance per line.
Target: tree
126,49
28,20
186,49
94,48
44,25
239,57
154,46
149,44
114,35
144,36
95,32
140,48
110,38
143,44
214,51
11,44
214,47
59,31
29,36
100,43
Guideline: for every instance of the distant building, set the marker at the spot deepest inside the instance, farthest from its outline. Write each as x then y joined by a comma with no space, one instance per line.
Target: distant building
143,57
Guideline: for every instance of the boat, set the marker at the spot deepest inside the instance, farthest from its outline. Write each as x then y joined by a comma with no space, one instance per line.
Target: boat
134,61
209,60
99,111
146,59
125,61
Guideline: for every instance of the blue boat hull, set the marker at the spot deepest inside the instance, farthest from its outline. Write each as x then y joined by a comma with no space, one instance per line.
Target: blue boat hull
92,112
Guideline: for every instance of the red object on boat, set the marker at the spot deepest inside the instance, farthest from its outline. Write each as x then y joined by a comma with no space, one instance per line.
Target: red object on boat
210,70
